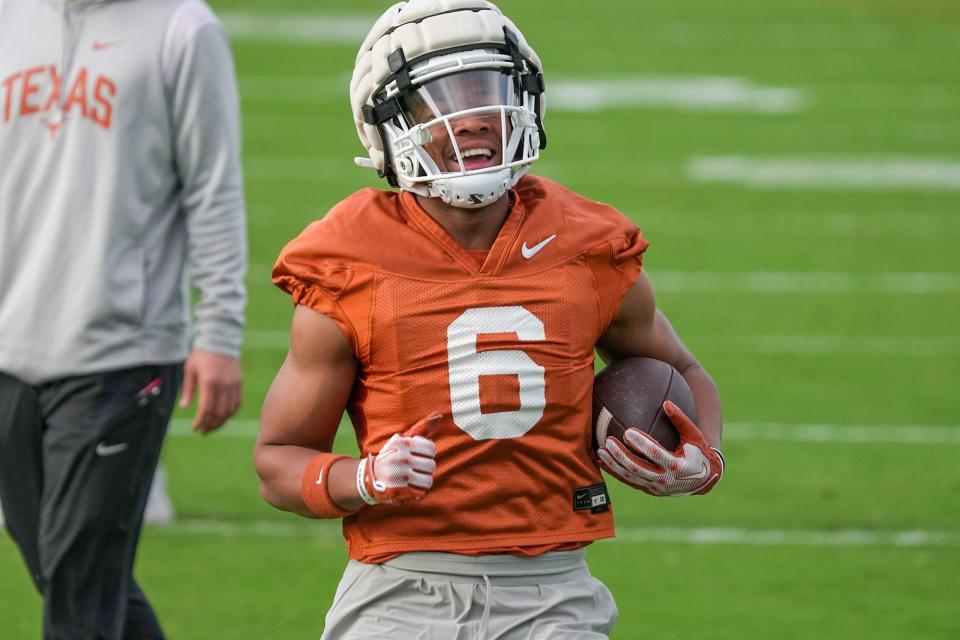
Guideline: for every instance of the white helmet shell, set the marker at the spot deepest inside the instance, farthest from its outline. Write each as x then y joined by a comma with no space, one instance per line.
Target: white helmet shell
402,51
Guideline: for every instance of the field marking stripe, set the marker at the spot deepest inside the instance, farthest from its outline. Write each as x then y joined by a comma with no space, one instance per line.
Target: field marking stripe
680,92
322,27
787,537
751,431
809,345
868,173
904,346
330,532
773,282
685,93
809,282
839,434
299,28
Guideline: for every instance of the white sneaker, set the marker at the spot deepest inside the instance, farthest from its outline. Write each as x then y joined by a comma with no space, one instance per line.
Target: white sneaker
159,506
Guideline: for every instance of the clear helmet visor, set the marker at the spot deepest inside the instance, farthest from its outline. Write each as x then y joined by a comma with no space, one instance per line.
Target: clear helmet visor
457,92
464,122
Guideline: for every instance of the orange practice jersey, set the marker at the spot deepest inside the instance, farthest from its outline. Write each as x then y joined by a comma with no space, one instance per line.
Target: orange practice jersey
503,347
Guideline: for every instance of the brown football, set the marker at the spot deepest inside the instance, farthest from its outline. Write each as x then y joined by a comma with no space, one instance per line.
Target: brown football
629,393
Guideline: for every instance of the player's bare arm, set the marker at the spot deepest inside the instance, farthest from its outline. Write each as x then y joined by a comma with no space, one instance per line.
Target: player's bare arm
299,421
641,329
301,414
696,465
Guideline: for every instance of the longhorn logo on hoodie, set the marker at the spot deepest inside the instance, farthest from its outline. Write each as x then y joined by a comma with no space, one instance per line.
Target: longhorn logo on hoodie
36,90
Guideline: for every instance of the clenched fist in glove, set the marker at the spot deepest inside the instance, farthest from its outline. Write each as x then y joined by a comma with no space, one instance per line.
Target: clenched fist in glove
403,470
693,468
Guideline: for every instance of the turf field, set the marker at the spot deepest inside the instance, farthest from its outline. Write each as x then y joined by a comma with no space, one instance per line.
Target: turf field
796,167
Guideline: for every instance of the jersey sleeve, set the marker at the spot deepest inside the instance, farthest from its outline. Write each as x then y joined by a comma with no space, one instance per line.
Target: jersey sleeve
344,292
616,265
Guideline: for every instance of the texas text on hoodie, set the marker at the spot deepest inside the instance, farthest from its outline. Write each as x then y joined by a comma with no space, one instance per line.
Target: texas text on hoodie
120,181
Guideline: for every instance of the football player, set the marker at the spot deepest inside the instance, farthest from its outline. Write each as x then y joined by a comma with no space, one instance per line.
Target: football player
456,320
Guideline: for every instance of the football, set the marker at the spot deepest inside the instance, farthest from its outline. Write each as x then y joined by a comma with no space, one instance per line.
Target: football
629,393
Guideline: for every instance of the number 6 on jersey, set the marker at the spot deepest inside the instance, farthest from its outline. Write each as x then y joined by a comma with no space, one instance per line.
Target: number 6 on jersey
467,365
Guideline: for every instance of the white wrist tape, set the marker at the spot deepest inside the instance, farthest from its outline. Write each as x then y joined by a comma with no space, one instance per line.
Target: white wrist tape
723,463
362,485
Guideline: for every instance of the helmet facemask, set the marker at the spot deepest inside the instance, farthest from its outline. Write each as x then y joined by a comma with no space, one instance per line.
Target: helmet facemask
460,126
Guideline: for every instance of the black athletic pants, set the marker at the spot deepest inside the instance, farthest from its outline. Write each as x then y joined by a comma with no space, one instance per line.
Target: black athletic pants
77,457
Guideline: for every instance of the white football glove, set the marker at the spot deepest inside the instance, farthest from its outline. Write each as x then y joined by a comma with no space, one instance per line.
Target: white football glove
403,470
693,468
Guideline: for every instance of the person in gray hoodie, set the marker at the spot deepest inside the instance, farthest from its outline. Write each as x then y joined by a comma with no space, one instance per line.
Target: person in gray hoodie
120,185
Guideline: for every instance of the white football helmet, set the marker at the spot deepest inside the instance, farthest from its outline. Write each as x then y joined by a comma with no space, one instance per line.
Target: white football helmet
448,99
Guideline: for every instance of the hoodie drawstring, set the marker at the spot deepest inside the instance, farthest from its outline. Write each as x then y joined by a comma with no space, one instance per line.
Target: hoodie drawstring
485,618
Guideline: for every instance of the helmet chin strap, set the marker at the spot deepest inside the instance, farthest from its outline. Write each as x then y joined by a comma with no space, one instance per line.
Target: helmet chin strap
472,191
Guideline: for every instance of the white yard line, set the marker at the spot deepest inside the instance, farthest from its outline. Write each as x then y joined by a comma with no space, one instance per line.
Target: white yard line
807,345
236,428
685,93
918,283
682,93
751,431
302,169
326,531
913,346
788,537
869,174
860,226
843,434
266,340
807,282
803,345
322,28
838,37
297,28
330,533
678,92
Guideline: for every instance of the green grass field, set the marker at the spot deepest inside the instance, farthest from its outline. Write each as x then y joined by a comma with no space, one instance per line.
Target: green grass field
796,167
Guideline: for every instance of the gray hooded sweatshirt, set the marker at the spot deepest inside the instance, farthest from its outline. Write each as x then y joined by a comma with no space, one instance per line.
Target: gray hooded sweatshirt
120,183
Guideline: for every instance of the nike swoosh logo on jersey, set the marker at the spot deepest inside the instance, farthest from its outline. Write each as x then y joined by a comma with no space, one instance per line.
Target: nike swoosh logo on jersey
99,46
699,475
529,252
104,449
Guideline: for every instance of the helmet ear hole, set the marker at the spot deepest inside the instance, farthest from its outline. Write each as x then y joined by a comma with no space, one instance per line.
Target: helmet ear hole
404,166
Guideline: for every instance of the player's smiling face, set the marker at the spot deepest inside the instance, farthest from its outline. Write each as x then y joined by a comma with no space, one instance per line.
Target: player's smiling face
479,138
478,135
